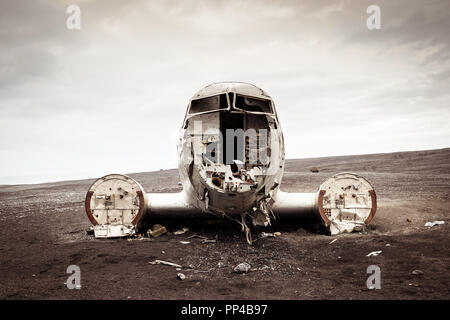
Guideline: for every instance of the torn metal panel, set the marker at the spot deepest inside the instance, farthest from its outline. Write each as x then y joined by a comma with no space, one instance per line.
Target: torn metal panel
221,179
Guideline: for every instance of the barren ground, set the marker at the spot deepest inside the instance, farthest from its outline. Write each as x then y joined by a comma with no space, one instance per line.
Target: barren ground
44,230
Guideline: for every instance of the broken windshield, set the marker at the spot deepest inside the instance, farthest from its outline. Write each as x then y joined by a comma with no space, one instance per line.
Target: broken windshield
209,104
253,104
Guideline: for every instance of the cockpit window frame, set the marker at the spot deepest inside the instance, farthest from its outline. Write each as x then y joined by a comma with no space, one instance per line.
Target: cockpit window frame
188,113
231,106
272,113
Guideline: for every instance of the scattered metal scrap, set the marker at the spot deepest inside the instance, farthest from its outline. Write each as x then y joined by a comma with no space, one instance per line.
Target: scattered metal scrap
156,231
417,272
167,263
182,231
204,239
374,253
270,235
267,235
434,223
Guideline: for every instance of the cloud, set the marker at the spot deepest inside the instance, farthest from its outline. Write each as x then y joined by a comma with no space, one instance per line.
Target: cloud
122,82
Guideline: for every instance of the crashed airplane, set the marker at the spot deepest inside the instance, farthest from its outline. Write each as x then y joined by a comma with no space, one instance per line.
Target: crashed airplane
231,162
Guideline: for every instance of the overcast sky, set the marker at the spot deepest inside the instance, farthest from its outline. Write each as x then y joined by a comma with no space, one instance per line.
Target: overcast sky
111,97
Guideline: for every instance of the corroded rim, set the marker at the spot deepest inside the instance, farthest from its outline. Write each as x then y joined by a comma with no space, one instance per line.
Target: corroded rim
373,196
87,206
141,208
320,204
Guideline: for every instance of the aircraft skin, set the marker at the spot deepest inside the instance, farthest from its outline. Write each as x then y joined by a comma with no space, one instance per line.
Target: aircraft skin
231,161
229,187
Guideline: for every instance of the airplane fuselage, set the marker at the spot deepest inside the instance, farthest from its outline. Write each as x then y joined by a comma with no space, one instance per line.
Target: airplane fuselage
231,149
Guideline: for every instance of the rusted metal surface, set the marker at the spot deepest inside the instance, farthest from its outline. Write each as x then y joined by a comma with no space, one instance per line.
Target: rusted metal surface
374,206
324,216
87,206
138,217
115,204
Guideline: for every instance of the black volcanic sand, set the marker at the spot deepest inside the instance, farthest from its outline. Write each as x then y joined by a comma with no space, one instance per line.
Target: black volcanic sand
44,230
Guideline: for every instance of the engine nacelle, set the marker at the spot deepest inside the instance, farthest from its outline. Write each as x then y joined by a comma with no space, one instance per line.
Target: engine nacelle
115,204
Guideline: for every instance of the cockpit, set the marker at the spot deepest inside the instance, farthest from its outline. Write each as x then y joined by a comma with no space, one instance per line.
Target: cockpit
231,101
